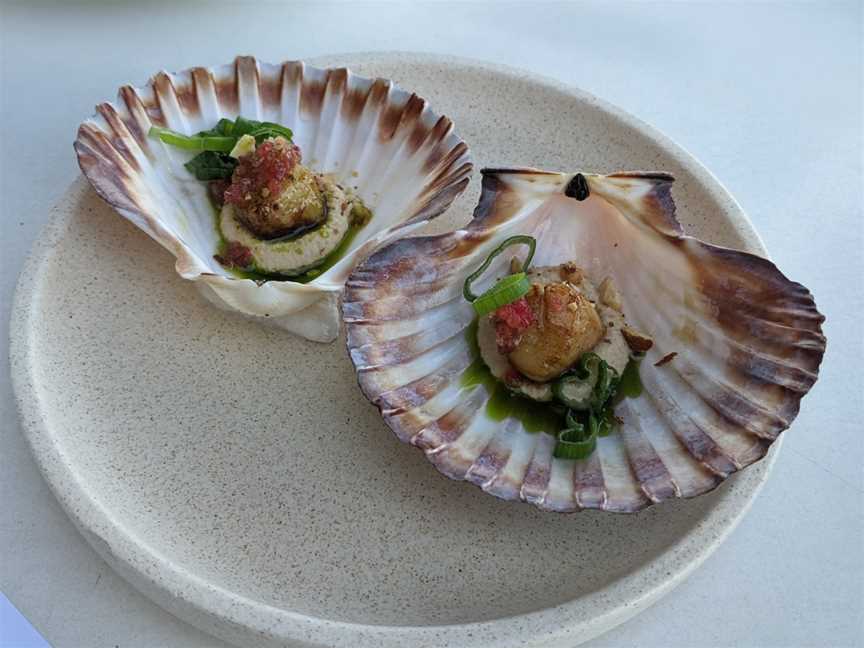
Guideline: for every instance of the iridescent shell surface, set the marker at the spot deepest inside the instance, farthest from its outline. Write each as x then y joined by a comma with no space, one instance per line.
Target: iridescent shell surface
401,157
748,345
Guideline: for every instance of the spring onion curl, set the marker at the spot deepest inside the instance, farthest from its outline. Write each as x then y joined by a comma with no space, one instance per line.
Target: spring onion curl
575,441
588,386
505,291
522,239
587,392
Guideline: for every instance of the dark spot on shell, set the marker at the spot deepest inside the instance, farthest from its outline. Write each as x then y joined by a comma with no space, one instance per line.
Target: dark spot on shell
436,139
135,110
292,73
118,134
577,188
420,131
163,90
666,359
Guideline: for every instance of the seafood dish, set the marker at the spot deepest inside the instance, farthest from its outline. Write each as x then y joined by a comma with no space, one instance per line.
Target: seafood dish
269,182
571,347
278,219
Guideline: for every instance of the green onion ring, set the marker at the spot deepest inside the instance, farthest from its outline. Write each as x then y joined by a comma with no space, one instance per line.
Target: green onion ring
573,443
590,378
601,387
530,241
507,290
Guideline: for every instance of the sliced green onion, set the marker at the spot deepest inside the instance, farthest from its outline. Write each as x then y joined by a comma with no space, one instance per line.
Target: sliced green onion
530,241
575,442
576,389
571,421
507,290
193,142
601,388
589,386
593,424
610,389
589,366
573,391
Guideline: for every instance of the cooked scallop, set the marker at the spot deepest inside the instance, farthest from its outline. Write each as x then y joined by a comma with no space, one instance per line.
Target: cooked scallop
566,326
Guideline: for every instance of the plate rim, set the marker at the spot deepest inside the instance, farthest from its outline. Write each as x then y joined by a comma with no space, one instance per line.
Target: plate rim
234,617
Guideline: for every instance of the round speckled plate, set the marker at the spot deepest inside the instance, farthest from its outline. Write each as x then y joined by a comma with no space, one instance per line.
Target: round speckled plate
237,476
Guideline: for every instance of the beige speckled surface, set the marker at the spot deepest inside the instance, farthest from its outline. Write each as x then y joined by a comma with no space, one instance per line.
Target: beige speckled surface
237,475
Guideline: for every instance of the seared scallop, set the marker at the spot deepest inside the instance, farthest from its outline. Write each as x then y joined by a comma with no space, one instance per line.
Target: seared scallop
566,325
273,194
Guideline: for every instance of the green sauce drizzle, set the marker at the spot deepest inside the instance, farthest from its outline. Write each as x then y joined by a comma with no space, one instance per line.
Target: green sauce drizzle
534,416
630,385
363,216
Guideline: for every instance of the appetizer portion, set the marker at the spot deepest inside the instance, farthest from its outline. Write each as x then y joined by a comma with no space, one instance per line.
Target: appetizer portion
265,218
536,388
277,218
550,335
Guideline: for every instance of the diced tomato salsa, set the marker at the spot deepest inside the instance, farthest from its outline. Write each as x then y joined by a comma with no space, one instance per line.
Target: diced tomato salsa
511,320
266,168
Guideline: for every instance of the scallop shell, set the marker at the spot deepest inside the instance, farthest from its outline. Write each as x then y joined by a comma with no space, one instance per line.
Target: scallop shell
748,344
403,159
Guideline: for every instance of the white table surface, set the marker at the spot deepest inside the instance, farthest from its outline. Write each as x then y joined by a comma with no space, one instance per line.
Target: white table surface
768,96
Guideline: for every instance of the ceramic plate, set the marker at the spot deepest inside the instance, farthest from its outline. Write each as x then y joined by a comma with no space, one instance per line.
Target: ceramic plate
236,475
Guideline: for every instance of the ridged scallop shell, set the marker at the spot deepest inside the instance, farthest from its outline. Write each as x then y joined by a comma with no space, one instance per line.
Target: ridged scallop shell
404,160
748,344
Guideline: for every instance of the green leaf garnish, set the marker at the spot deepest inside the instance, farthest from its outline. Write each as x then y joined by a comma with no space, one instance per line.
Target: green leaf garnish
211,165
223,136
223,128
269,129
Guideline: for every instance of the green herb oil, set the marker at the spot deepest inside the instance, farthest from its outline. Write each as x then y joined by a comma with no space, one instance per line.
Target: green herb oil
534,416
360,218
630,385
